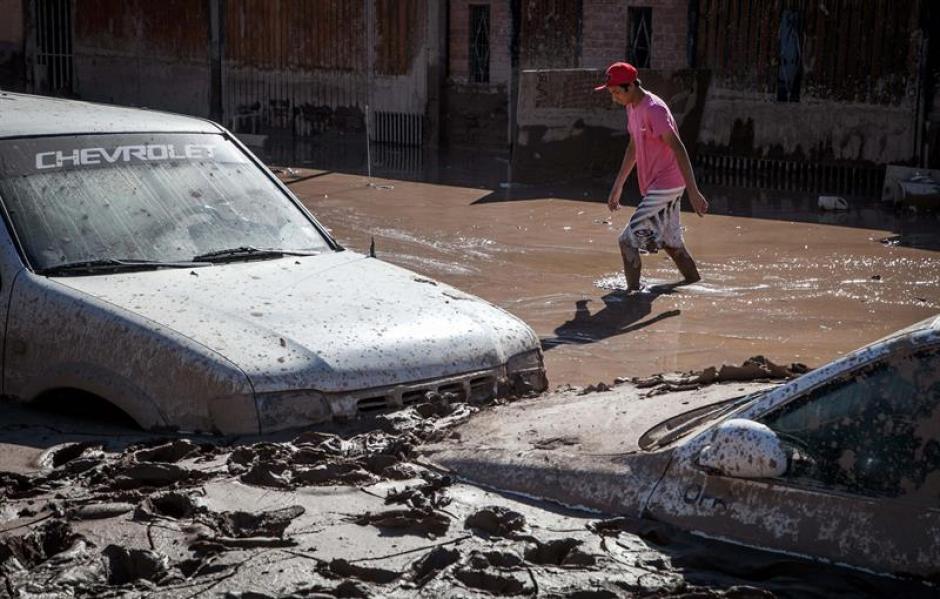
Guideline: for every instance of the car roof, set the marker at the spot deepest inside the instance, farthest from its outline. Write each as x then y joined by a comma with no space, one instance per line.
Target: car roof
23,115
931,324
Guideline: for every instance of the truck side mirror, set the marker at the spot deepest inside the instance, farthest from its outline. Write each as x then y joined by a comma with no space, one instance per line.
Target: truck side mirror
744,449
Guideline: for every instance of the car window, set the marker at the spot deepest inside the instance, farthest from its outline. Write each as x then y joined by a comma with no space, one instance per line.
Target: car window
143,197
874,432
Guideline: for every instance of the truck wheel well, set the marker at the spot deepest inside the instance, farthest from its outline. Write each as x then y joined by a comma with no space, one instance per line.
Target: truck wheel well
81,404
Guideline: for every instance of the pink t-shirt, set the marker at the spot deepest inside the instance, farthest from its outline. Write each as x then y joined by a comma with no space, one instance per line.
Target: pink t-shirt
656,165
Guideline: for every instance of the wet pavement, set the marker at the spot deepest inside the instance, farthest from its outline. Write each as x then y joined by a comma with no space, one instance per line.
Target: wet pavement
780,277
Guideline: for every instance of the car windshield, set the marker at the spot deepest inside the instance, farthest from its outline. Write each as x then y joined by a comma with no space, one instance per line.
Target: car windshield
168,198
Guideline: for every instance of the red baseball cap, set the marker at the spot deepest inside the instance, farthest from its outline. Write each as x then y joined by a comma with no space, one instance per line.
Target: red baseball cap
619,73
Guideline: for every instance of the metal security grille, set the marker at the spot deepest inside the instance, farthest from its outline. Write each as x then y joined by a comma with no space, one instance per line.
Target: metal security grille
53,30
479,43
640,42
309,68
790,175
397,127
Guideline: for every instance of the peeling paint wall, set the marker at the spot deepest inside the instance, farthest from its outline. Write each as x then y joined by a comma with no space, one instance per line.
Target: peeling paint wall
139,53
854,69
12,67
302,68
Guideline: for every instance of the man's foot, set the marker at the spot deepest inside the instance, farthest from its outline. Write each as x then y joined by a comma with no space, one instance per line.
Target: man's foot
694,278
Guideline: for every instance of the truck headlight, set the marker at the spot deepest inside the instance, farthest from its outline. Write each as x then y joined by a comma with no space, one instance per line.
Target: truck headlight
526,372
530,360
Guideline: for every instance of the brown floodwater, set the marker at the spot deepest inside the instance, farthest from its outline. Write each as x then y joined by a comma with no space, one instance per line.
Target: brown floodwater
779,277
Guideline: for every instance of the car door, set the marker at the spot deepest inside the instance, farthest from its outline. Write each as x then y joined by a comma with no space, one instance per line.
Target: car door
863,481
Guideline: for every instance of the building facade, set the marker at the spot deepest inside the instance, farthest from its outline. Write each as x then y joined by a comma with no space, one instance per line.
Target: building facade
754,85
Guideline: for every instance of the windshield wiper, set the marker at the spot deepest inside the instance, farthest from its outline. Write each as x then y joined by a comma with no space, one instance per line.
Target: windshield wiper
112,265
706,413
247,252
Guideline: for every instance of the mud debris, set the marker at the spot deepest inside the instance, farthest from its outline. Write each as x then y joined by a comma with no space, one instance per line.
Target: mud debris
426,523
756,368
496,521
183,518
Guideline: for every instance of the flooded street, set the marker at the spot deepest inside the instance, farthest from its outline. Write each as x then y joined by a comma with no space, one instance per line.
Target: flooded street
780,277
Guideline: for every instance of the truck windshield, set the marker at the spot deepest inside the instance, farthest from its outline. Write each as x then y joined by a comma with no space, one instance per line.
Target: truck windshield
141,197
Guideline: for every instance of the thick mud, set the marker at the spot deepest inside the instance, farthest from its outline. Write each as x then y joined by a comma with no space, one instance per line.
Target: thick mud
780,277
128,514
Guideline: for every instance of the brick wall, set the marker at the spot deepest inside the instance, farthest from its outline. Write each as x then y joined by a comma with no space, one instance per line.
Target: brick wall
605,27
459,40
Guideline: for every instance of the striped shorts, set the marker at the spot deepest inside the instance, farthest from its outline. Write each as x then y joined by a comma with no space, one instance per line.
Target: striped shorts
655,224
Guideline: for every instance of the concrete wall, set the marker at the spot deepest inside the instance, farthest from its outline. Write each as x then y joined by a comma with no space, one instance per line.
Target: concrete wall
12,67
750,124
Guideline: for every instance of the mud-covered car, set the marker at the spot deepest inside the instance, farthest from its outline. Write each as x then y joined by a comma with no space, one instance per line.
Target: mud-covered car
842,463
150,260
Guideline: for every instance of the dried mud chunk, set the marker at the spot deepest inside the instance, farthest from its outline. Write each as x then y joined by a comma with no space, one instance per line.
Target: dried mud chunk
37,545
340,568
263,524
559,552
15,485
377,463
498,583
503,559
425,496
268,475
154,475
243,458
419,522
337,473
324,441
401,472
496,521
347,588
168,504
68,452
169,452
100,511
429,566
130,565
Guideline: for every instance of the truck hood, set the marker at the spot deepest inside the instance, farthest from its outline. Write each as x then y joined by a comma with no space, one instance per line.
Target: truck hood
332,322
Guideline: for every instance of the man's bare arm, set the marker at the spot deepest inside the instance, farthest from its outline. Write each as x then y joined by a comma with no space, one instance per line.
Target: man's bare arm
699,203
629,161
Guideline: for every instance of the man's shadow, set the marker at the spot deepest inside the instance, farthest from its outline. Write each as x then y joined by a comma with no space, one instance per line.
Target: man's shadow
622,313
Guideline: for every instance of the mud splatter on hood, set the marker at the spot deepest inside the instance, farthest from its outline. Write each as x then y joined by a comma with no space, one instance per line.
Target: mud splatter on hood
333,322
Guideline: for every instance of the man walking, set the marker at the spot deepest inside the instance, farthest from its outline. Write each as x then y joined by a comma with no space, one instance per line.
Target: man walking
664,173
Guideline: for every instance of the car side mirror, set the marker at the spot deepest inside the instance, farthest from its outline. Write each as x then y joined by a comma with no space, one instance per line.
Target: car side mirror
744,449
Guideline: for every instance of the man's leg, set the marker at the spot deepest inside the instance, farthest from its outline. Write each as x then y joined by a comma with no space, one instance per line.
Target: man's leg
684,263
631,264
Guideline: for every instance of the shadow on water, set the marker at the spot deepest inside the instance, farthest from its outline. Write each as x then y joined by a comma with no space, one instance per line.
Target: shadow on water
621,314
491,170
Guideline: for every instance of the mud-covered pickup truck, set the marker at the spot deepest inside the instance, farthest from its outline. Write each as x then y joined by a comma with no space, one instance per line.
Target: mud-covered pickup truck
152,261
842,463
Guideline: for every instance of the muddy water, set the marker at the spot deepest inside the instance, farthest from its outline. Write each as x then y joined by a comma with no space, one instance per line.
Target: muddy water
779,278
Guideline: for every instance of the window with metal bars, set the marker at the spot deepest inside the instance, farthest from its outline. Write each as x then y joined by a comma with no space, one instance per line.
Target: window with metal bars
479,43
53,22
640,40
